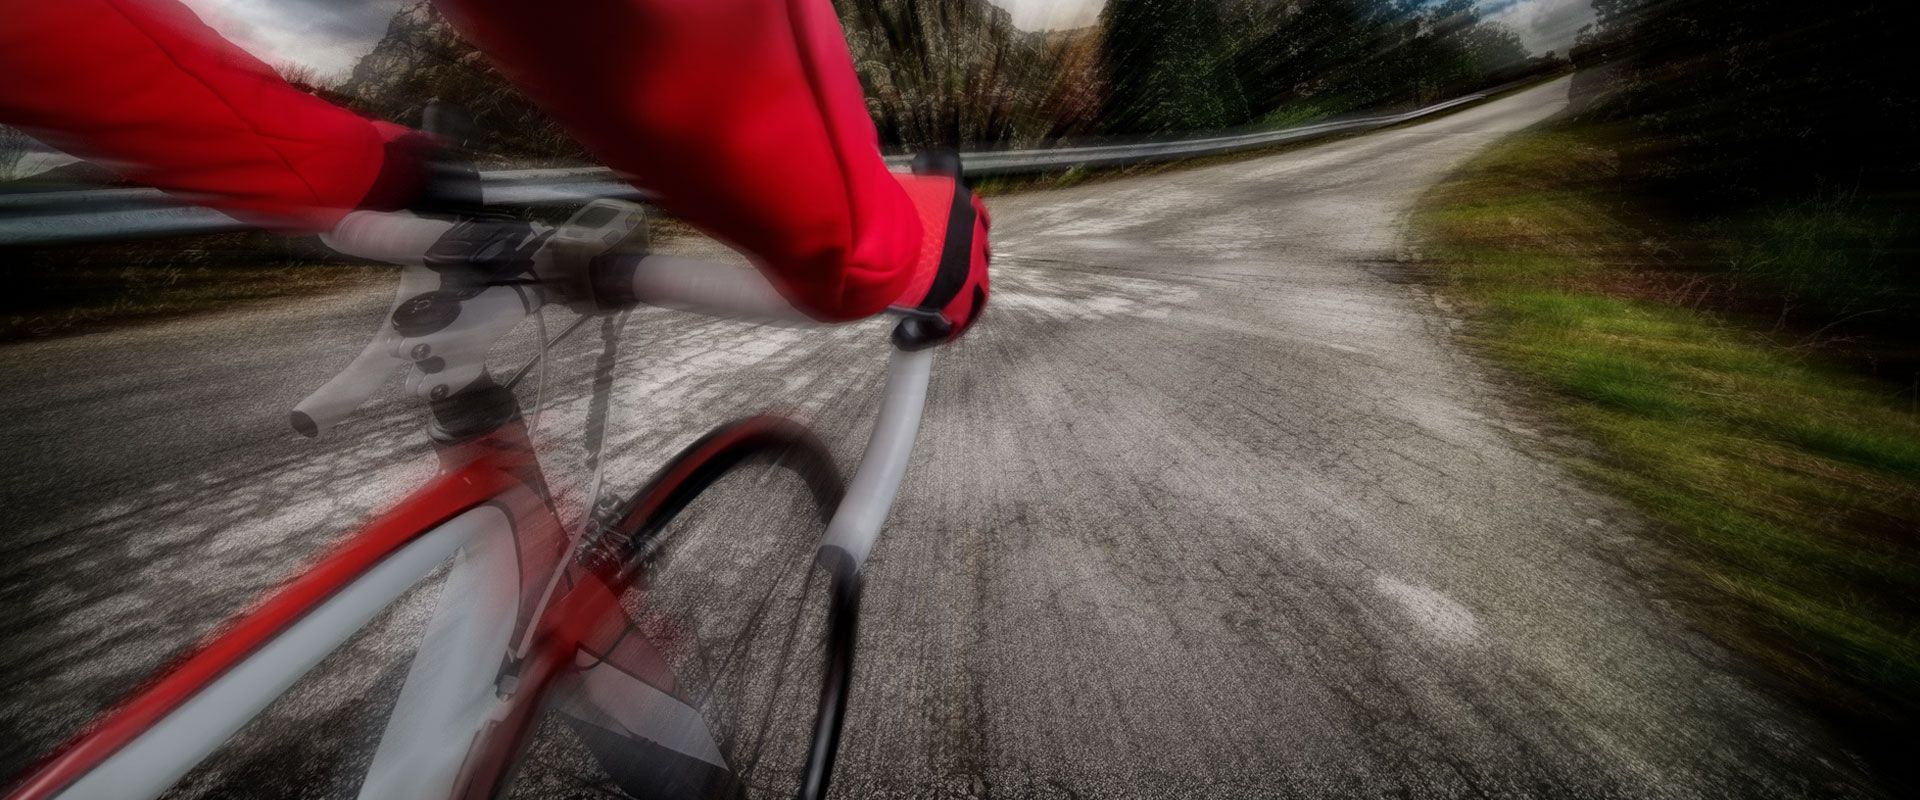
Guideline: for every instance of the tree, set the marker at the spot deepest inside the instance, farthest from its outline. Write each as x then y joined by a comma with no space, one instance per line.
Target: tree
1169,67
1338,55
1748,101
958,73
1293,52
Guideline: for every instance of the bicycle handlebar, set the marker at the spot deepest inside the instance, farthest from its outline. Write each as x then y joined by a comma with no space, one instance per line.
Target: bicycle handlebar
444,319
395,237
702,287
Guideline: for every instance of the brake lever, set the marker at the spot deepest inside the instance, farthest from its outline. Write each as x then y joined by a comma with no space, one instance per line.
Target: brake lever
447,333
459,293
444,333
351,388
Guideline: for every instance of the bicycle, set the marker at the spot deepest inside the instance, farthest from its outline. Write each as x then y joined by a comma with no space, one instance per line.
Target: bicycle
542,621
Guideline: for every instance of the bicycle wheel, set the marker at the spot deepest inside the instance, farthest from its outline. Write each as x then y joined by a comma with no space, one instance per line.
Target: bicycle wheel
752,633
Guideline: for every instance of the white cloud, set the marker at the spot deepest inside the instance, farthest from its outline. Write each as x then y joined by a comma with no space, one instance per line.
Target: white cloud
330,35
1040,15
1542,24
327,35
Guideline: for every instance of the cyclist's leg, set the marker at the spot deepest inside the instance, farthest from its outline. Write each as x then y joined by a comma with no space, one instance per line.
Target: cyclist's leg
147,89
746,118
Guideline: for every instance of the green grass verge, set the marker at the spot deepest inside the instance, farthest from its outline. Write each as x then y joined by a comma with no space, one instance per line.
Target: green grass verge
79,289
1789,487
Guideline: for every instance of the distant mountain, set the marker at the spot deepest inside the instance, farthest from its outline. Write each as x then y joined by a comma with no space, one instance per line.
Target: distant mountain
421,58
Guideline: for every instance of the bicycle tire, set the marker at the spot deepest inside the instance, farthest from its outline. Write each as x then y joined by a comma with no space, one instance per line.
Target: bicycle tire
647,519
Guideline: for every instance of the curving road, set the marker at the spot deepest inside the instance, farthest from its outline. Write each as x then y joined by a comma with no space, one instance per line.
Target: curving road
1213,504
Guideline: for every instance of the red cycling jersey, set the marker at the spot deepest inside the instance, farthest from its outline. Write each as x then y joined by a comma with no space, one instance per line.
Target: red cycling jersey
743,116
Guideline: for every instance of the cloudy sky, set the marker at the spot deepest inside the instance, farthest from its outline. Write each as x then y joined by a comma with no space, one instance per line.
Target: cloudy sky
329,35
1542,24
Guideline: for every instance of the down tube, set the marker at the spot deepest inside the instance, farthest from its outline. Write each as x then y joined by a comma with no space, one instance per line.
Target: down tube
855,527
150,764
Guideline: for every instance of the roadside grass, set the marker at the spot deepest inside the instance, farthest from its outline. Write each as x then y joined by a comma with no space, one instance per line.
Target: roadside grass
1298,114
78,289
130,298
1790,487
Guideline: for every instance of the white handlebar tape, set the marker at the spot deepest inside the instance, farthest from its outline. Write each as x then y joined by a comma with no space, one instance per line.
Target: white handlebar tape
721,290
390,236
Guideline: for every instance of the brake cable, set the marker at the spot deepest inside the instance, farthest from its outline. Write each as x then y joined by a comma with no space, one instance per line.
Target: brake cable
599,410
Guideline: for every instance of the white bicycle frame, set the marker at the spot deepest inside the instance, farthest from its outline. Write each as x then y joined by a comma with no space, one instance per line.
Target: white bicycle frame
452,691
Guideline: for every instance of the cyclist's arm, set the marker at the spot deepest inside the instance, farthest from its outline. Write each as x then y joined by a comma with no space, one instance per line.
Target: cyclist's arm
744,117
147,89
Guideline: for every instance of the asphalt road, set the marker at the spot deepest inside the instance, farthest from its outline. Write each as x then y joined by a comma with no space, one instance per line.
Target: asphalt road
1212,504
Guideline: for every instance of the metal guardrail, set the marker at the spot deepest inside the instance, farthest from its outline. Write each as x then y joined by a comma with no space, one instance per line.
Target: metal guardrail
82,215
